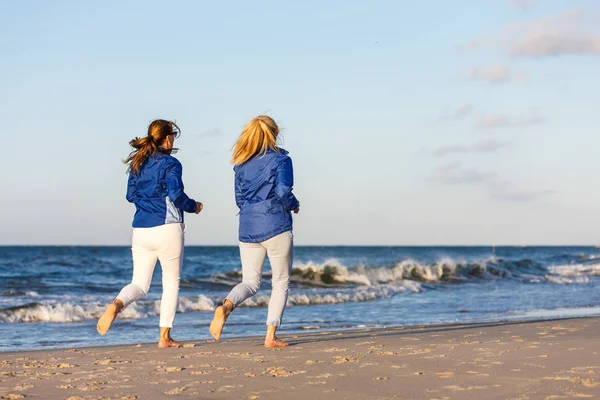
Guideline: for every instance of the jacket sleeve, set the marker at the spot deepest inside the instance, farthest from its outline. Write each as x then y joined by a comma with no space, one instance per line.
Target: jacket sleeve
284,181
175,189
131,189
239,197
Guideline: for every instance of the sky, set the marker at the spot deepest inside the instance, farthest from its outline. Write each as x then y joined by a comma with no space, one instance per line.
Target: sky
430,122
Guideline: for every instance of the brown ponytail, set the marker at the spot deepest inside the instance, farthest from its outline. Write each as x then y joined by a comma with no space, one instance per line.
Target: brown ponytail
146,146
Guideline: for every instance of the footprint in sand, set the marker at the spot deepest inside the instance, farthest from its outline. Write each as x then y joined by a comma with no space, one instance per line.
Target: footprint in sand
419,351
199,373
477,373
335,349
311,362
176,390
342,360
324,376
170,369
579,395
226,388
280,372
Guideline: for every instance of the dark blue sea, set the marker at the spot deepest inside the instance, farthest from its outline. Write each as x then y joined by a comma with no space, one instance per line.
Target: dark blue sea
51,297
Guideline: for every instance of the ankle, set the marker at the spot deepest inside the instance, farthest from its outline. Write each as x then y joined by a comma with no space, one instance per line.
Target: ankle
115,307
271,333
228,307
165,334
118,305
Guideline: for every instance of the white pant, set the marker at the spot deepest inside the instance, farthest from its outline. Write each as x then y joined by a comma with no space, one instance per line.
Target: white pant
280,252
164,243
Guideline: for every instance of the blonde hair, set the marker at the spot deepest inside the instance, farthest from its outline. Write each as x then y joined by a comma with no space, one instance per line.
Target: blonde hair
258,137
145,146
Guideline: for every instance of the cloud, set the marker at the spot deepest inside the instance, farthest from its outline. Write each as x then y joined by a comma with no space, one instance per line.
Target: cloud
504,121
459,113
522,4
453,173
506,193
445,150
495,74
488,146
556,35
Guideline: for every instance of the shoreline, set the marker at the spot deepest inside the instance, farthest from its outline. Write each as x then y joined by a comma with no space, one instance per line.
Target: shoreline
511,359
535,316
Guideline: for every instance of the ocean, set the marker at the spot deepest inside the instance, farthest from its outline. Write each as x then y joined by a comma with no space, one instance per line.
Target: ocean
51,297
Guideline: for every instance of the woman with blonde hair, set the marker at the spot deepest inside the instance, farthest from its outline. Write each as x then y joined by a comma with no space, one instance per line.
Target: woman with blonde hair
263,193
156,189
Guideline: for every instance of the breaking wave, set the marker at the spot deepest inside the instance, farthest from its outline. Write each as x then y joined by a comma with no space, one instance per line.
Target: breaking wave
62,312
68,312
333,274
576,270
314,284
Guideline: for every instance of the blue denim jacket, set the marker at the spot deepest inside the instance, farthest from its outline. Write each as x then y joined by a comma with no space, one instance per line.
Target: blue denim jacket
157,192
263,193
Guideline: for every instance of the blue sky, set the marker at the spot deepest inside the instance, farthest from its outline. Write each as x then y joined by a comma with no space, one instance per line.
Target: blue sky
409,123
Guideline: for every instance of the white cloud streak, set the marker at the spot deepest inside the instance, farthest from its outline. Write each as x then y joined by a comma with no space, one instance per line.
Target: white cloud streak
496,74
460,113
556,35
453,173
486,146
504,121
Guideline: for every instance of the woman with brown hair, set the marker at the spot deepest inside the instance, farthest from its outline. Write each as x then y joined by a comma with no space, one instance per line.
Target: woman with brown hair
263,192
156,188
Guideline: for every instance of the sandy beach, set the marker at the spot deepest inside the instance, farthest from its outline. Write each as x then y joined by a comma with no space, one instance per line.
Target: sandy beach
521,360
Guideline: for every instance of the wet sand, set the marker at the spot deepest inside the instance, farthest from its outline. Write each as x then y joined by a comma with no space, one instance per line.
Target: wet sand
529,360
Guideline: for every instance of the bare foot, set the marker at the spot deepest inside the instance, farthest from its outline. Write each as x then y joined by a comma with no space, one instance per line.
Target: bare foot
218,322
106,320
163,344
274,343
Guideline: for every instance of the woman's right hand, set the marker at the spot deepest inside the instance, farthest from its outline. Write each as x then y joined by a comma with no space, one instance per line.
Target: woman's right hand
297,210
199,207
